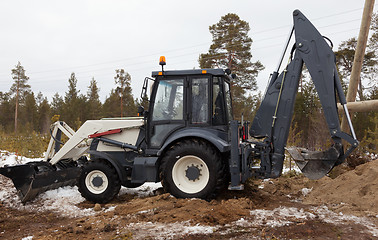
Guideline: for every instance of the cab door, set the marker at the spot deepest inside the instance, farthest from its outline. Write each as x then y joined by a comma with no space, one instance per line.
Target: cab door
168,108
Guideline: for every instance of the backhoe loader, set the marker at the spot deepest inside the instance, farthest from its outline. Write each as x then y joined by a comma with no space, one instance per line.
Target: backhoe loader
188,139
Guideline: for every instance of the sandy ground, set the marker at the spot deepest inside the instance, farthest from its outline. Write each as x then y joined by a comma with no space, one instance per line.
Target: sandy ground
285,208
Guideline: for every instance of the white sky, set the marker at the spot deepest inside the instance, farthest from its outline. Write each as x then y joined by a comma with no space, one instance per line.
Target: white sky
92,38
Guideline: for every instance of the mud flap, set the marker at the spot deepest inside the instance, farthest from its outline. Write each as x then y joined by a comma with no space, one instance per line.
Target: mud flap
315,164
34,178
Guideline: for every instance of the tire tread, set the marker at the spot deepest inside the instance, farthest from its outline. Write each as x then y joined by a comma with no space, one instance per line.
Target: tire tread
185,146
114,183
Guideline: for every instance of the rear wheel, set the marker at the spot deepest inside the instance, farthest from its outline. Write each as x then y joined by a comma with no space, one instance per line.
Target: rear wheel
192,169
99,182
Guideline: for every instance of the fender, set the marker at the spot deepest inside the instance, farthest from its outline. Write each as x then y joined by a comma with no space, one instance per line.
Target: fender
206,134
101,155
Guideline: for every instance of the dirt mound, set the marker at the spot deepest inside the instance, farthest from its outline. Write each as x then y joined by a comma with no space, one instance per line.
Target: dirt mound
352,192
167,209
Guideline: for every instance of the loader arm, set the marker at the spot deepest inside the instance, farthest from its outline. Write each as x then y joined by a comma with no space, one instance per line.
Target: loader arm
273,118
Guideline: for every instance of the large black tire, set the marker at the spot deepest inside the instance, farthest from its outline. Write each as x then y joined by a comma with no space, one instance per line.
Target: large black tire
192,169
98,181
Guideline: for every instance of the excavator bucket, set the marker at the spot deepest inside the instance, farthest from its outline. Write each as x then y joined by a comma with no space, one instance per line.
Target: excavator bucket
315,164
34,178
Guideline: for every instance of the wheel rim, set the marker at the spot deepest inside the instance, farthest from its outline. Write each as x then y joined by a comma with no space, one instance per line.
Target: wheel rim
190,174
96,182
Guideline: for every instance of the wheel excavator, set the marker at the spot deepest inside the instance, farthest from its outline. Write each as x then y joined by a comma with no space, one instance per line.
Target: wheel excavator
188,140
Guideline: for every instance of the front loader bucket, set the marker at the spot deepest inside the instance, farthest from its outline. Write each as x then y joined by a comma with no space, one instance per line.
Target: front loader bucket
315,164
34,178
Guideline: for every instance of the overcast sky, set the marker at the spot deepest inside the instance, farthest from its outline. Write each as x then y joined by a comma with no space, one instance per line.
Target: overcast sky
92,38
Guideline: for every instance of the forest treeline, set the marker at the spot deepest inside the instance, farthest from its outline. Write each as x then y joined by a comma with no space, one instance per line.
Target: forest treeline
23,111
29,114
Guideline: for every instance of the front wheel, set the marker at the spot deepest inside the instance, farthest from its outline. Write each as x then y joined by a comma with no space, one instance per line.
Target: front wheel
98,181
192,169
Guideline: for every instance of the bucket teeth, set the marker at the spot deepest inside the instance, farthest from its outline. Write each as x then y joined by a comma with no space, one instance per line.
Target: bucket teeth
314,164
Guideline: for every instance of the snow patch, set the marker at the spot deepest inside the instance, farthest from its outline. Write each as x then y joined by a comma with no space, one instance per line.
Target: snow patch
282,216
145,190
306,191
373,156
278,217
142,230
63,201
110,209
243,223
265,181
28,238
331,217
12,159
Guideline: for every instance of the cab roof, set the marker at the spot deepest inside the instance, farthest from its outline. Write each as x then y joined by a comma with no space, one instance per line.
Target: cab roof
215,72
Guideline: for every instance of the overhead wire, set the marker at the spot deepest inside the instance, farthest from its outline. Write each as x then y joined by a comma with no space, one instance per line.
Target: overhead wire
201,44
71,69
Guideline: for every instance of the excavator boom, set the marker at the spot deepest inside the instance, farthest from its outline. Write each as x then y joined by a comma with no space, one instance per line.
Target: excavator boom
273,118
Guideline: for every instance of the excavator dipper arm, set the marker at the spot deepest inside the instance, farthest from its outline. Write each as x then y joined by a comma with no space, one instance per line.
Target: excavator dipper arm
273,118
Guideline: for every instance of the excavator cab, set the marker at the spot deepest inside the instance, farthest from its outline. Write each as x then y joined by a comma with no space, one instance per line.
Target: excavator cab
188,99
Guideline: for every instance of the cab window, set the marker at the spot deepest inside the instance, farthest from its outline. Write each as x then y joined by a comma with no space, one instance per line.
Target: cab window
228,100
169,100
200,99
218,114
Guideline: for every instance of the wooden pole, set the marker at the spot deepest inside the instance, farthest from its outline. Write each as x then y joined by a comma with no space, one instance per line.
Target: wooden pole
361,106
359,56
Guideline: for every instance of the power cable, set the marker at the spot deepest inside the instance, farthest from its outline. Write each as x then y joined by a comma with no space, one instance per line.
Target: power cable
179,49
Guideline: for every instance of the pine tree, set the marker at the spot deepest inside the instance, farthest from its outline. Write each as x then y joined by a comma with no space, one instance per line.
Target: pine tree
18,88
44,112
57,105
365,122
231,48
111,107
6,110
29,113
345,58
124,92
82,114
94,103
72,93
72,111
